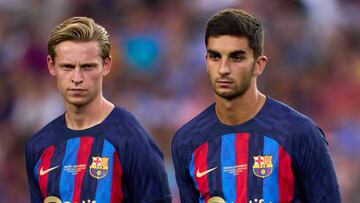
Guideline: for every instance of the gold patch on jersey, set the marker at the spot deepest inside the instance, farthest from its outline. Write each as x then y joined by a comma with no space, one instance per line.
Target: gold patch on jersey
216,199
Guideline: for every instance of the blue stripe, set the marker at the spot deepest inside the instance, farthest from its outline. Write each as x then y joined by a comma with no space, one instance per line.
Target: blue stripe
103,190
67,179
192,169
228,162
36,169
271,185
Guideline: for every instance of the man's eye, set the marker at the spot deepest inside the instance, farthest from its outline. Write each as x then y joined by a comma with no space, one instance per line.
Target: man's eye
67,67
237,57
88,67
214,57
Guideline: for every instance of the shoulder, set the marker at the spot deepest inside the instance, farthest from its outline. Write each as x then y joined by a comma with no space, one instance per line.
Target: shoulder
120,114
44,138
126,124
135,138
192,133
123,122
284,115
47,133
292,128
199,125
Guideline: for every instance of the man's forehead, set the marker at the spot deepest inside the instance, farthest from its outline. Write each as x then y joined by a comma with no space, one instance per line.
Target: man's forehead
71,50
228,44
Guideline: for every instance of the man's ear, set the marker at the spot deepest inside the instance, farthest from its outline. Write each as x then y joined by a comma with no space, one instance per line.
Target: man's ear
260,64
107,65
51,66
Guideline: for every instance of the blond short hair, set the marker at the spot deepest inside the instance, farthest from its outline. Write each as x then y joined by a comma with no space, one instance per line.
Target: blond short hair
79,29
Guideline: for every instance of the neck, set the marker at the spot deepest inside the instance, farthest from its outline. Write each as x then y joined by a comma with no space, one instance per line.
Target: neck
83,117
240,109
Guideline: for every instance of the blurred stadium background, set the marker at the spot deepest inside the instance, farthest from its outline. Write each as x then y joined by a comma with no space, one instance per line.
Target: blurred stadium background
159,72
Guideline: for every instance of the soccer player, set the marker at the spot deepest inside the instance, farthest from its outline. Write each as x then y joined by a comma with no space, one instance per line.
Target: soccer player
95,151
248,147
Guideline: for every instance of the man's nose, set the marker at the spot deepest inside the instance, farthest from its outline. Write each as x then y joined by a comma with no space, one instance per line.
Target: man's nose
77,76
224,68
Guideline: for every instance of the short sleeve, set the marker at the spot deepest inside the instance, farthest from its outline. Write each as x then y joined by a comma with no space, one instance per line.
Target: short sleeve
35,193
188,192
144,172
317,172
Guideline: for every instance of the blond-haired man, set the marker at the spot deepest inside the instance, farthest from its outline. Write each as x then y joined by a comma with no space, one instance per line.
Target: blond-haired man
95,151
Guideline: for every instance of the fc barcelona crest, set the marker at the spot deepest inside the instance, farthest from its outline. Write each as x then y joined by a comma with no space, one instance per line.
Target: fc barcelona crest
263,166
99,167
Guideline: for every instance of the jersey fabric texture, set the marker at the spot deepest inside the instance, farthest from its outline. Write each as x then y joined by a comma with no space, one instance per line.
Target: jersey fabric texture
279,155
114,161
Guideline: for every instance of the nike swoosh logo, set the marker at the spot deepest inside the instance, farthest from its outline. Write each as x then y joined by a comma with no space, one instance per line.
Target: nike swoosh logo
43,172
201,174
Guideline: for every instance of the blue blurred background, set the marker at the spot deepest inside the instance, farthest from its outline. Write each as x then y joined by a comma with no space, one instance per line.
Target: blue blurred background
159,71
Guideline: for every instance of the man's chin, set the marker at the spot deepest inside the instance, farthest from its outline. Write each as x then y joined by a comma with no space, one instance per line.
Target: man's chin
226,95
79,102
229,95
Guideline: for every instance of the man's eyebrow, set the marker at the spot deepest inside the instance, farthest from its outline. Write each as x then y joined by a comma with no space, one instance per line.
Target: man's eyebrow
66,64
210,51
241,52
88,64
81,65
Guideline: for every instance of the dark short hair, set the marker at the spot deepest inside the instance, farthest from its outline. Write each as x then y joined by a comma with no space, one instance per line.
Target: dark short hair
236,22
79,29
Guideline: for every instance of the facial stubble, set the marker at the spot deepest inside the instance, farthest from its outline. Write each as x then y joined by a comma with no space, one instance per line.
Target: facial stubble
237,91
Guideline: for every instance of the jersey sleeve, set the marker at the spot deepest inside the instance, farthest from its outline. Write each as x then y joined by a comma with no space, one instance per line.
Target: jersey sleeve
188,192
317,172
35,193
144,172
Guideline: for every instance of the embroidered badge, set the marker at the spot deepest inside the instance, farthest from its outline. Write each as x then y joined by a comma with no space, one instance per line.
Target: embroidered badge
99,167
263,166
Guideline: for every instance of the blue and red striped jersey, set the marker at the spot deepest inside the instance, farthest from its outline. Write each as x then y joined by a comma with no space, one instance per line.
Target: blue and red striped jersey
280,155
114,161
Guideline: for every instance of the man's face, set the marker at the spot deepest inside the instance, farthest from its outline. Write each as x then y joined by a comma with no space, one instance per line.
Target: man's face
79,71
230,65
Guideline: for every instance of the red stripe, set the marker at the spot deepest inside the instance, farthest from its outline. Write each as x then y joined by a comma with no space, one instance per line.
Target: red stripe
82,159
116,189
200,164
45,164
286,177
242,150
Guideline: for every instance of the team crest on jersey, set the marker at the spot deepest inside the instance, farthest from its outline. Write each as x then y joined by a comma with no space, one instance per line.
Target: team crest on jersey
263,166
99,167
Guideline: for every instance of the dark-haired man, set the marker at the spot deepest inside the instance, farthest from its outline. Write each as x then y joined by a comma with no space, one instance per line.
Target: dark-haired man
248,147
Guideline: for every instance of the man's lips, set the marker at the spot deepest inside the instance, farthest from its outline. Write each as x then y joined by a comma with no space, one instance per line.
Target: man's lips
222,81
76,90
